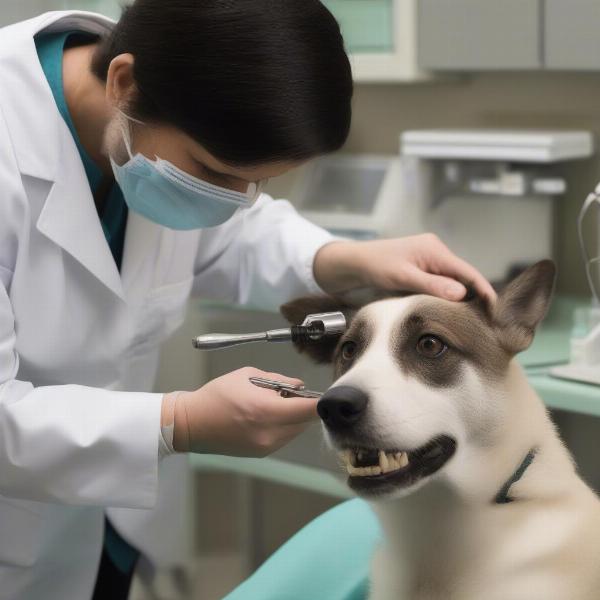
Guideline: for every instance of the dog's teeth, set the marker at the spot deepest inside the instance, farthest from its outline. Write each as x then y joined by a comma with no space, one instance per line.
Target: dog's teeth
346,457
363,471
349,457
388,462
392,462
383,461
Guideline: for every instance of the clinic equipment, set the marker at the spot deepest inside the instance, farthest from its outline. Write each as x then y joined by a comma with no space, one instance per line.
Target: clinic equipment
584,362
488,194
313,328
285,390
352,195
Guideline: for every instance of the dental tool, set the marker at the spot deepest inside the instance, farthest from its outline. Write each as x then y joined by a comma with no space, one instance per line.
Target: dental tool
313,328
285,390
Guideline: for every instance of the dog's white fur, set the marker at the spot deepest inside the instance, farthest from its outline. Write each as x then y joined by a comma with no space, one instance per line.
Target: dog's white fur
445,538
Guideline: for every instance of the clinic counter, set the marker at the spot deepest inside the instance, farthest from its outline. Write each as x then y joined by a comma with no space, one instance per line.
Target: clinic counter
550,347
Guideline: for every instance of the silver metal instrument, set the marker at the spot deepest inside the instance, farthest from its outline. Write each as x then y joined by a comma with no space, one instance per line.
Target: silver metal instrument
313,328
285,390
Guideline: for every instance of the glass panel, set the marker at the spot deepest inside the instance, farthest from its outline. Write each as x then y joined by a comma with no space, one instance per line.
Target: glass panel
367,25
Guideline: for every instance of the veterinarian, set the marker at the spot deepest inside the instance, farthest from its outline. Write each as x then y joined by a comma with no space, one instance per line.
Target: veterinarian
132,157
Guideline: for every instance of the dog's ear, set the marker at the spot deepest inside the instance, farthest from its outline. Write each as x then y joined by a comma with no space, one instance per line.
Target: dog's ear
522,304
321,351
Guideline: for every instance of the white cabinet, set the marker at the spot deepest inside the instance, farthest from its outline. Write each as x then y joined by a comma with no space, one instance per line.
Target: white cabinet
381,38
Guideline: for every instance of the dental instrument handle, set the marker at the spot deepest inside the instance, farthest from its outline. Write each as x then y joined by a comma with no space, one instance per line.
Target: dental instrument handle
218,341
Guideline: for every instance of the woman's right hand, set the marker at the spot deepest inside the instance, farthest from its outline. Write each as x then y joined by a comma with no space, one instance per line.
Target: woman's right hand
231,416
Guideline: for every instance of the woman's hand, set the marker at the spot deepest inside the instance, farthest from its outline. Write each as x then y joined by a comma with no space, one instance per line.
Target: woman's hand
231,416
421,263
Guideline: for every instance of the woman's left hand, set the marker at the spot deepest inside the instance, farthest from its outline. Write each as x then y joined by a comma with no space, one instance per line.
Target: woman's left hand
421,263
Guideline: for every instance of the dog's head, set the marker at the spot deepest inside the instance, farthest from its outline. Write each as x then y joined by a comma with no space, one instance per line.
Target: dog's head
416,377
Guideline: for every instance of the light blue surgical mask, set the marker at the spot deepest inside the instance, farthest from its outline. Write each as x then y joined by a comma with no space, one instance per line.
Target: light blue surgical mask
166,195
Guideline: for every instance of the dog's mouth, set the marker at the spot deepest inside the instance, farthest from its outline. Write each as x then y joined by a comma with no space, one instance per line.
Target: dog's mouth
374,471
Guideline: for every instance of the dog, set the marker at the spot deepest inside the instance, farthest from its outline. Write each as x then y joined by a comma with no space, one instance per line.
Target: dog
438,428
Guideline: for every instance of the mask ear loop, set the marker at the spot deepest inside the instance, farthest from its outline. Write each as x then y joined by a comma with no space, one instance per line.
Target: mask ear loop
592,197
127,131
255,189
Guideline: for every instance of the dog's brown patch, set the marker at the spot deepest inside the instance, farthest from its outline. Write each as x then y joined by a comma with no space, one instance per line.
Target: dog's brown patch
361,333
463,327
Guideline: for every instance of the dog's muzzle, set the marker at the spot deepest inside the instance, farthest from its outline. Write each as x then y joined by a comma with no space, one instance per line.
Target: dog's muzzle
341,407
374,470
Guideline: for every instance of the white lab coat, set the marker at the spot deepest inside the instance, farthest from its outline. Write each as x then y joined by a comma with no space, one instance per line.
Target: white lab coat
79,340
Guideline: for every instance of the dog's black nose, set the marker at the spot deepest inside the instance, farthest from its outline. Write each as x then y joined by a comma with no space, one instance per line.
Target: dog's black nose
342,406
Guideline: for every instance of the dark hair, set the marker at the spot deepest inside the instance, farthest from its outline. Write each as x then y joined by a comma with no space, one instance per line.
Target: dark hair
250,80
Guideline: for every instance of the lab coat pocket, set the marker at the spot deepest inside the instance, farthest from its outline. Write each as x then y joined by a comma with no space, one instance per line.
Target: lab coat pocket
162,312
21,532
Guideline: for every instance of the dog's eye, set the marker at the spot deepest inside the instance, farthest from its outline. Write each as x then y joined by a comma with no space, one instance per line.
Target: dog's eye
348,350
431,346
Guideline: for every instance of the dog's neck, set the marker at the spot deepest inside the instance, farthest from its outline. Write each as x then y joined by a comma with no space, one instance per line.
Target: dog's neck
449,510
485,469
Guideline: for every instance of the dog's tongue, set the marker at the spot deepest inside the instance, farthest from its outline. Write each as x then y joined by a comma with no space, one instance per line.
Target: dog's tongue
367,458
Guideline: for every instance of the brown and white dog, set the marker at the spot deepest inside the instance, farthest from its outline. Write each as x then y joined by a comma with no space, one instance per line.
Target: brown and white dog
441,432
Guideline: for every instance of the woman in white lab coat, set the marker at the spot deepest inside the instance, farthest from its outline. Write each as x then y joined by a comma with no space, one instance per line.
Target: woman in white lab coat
131,157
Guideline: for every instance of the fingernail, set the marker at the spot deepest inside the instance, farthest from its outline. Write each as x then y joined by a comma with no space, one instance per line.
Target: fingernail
455,290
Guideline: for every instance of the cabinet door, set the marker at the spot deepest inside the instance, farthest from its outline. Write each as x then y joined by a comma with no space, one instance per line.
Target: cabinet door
480,34
572,38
